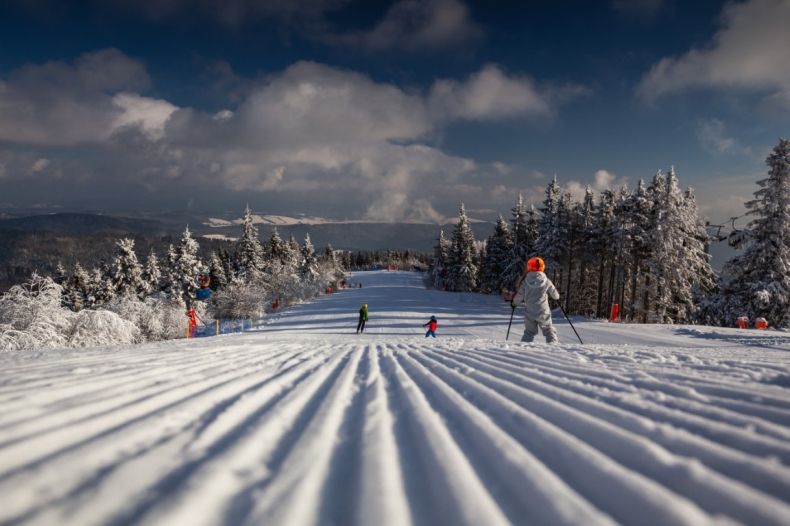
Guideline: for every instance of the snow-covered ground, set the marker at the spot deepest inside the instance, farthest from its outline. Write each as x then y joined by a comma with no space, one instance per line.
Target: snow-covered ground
304,422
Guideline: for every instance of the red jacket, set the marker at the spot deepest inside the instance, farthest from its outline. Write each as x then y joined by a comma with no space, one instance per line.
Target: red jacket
431,325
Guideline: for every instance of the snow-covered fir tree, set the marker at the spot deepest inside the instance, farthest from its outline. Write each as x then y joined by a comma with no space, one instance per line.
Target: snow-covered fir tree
126,273
309,267
639,209
216,271
294,254
152,275
524,234
461,269
249,252
756,282
187,268
549,245
441,259
584,293
76,288
675,263
276,248
498,257
61,276
100,288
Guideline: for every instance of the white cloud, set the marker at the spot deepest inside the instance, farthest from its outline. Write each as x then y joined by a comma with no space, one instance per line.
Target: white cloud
488,94
714,140
416,25
150,115
65,104
309,128
602,180
750,52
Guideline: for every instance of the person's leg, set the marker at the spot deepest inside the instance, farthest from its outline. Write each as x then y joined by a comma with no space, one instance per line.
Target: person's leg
363,325
549,332
530,330
428,333
433,334
359,325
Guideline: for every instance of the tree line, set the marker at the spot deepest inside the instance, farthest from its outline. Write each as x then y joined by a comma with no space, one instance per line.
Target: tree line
129,301
646,250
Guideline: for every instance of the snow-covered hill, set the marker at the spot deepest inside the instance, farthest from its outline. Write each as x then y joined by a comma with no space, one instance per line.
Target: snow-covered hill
304,422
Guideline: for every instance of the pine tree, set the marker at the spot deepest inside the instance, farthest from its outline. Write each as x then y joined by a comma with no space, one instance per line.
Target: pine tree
462,272
602,247
677,236
76,289
294,253
100,288
61,277
499,250
585,290
756,283
152,276
126,274
522,244
249,252
276,248
309,267
639,250
441,260
550,239
217,272
171,273
187,268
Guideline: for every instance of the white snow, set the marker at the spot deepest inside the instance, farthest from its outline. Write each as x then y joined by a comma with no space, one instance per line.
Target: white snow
301,421
219,237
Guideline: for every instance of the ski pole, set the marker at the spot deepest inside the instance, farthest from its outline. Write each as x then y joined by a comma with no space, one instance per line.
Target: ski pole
512,311
571,324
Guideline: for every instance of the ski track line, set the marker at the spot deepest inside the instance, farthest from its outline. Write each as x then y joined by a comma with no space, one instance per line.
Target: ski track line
217,489
51,396
382,493
128,394
524,487
769,478
627,495
295,495
142,479
138,438
707,488
721,431
457,494
45,445
573,380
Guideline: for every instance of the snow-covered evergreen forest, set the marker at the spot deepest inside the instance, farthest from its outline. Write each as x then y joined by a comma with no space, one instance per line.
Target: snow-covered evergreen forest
644,249
129,301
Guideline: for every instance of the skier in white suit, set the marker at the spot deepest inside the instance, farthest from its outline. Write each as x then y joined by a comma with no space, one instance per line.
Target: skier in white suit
535,288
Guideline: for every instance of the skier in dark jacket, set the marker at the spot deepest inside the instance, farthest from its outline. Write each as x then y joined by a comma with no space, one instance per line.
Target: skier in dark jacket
537,288
363,317
432,324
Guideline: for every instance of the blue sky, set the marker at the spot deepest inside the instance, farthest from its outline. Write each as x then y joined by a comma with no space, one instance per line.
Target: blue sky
383,110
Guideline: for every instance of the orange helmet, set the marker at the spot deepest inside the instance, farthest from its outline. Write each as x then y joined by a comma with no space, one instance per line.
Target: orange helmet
535,265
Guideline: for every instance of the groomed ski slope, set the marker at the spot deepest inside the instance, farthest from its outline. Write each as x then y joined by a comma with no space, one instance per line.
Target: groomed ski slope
304,422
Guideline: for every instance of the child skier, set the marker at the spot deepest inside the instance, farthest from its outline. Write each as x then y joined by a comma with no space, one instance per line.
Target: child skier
537,289
432,324
363,317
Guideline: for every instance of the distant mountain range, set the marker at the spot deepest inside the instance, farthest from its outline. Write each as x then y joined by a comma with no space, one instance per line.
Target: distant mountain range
342,234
